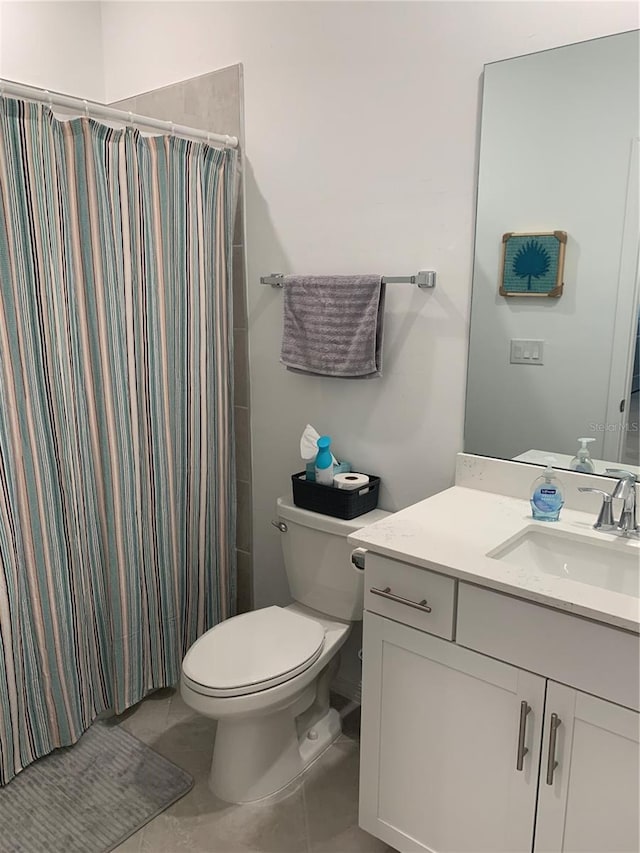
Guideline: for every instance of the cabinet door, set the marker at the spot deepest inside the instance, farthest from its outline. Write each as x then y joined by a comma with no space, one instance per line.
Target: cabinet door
439,745
591,800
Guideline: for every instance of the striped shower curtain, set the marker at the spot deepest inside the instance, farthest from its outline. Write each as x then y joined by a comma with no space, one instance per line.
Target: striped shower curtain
116,452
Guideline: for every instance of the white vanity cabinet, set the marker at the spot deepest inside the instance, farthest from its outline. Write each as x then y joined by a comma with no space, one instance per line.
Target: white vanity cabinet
590,802
439,744
461,751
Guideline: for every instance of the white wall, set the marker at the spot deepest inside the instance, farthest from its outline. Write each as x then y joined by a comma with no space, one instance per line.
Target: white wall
361,130
549,161
57,46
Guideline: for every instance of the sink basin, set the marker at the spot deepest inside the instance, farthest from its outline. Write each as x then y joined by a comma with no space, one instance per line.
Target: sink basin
609,565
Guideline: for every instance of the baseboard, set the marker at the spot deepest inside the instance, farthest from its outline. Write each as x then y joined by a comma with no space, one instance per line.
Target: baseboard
348,689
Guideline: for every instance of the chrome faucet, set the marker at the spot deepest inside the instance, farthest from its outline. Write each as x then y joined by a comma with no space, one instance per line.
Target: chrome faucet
605,516
624,490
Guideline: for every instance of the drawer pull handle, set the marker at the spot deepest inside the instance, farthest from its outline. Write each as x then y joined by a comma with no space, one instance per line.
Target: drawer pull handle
386,593
522,733
551,759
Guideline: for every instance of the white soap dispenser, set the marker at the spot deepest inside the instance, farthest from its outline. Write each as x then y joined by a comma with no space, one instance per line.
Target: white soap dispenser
582,461
547,495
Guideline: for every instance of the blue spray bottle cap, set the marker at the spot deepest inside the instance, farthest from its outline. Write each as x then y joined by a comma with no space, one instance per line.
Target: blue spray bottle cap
324,459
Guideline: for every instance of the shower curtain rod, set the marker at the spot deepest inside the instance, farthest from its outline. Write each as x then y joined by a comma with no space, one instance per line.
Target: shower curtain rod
94,110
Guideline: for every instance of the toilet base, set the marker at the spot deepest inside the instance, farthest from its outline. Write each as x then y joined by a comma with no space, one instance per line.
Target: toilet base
320,737
258,757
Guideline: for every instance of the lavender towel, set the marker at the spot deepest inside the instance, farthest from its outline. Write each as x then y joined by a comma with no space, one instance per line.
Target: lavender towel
333,325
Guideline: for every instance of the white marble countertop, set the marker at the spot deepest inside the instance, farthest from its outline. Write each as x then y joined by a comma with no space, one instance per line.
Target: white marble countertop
453,531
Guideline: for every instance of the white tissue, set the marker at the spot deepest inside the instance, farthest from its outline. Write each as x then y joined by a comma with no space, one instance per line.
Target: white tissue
309,444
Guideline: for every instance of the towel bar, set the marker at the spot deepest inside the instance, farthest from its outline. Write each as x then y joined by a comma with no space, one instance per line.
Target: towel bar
424,279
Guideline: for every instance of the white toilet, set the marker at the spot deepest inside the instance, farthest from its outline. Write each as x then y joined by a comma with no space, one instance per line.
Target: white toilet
265,675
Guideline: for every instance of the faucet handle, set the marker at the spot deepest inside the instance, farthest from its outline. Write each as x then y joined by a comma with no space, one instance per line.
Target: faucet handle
605,516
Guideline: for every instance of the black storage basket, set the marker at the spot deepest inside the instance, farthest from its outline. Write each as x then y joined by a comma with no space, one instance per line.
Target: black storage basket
329,500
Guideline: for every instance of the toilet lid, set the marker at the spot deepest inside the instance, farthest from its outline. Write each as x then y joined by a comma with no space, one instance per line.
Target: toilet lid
253,651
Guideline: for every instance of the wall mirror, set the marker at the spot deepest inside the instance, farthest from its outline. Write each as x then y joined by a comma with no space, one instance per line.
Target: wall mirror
559,152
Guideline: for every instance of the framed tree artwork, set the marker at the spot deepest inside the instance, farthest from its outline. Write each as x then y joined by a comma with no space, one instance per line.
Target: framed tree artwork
533,264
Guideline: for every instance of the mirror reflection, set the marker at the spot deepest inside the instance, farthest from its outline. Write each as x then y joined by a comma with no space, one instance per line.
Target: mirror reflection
559,152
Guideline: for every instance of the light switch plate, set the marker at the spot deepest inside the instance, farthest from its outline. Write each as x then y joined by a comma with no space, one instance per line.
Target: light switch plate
526,351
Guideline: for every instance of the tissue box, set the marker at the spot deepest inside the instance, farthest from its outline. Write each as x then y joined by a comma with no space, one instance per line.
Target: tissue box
328,500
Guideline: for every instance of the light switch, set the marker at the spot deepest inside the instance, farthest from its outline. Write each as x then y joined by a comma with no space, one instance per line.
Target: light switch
526,351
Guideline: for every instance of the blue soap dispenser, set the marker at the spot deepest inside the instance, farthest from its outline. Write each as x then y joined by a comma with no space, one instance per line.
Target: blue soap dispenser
547,496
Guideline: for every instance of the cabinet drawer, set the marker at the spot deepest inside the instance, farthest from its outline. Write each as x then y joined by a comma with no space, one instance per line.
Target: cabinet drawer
565,648
385,578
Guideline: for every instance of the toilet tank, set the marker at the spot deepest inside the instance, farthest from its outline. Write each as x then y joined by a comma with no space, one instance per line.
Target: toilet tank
317,559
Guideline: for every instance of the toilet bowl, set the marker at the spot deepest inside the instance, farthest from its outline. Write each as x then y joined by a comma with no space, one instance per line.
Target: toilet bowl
265,675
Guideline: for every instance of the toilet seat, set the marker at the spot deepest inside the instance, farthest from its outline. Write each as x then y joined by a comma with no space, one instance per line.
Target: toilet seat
252,652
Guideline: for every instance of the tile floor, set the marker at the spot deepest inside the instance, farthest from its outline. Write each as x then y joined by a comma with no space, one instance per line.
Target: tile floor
318,814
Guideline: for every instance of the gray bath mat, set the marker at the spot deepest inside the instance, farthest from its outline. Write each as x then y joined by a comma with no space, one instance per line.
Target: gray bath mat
89,797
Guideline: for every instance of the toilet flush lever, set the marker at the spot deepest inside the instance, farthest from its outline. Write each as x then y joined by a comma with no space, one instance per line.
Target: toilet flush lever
282,527
357,557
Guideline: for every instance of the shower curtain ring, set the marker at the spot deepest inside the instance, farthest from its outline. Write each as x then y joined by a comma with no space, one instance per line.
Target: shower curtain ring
86,108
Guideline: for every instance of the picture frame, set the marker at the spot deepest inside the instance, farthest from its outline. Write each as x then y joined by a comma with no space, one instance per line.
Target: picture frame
533,263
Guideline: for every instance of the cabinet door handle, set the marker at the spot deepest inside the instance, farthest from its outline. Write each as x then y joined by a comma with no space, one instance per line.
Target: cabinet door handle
522,733
386,593
551,758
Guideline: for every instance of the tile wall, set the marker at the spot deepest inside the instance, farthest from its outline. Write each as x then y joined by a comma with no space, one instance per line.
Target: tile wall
214,102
